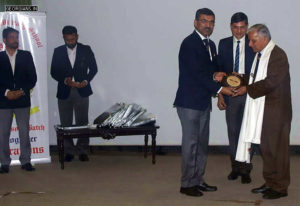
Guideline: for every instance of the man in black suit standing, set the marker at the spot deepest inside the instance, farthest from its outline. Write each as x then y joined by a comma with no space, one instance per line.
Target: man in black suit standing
73,67
235,56
197,64
18,77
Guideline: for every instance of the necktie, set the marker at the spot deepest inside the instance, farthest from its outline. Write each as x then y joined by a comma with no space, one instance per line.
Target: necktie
206,44
237,57
256,66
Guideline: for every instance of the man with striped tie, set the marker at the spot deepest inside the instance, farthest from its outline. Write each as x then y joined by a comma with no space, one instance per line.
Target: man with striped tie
235,56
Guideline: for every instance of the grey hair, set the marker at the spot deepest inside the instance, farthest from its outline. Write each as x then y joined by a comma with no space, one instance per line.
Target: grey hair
261,29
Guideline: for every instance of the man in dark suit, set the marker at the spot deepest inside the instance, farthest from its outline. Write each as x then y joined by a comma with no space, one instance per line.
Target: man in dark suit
197,64
269,92
18,77
73,67
235,56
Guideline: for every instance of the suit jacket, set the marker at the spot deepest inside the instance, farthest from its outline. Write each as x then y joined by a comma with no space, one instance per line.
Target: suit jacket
85,68
276,87
24,77
196,84
275,134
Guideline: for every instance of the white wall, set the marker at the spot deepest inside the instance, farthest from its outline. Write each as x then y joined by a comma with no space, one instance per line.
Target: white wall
136,45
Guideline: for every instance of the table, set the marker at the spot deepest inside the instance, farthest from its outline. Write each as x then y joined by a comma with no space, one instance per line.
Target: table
105,133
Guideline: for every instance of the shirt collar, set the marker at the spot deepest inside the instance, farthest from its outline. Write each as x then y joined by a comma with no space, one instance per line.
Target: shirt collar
261,52
13,54
201,36
71,50
242,40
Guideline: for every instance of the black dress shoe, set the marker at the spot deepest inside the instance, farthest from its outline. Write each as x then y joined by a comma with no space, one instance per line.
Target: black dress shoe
69,157
4,169
261,189
246,179
191,191
206,188
272,194
233,175
83,157
28,167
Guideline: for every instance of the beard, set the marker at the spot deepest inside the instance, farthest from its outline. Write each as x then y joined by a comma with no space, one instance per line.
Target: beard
71,46
13,45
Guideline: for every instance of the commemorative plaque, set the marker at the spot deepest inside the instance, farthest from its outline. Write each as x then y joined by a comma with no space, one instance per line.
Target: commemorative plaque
232,80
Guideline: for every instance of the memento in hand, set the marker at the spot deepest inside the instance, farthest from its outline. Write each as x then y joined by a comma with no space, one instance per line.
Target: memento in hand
232,80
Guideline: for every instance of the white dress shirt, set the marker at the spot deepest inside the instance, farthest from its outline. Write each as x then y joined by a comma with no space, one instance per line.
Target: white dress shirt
72,55
72,58
12,60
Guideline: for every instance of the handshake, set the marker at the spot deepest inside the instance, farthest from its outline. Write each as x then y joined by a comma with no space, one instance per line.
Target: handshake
229,91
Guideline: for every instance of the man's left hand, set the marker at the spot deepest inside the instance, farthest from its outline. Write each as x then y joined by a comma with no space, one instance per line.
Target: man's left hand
221,102
239,91
82,84
19,93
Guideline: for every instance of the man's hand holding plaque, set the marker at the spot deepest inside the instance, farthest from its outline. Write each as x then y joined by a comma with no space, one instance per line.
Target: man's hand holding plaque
239,91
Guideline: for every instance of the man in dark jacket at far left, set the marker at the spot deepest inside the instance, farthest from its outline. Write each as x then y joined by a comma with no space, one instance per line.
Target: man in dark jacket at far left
18,77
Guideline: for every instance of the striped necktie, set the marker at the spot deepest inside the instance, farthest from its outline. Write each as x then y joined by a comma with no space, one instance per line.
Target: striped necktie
237,57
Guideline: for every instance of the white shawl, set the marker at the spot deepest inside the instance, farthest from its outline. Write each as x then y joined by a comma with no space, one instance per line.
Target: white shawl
254,109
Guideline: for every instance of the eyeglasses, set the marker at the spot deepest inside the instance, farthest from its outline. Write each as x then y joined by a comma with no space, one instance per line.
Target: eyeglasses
204,21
